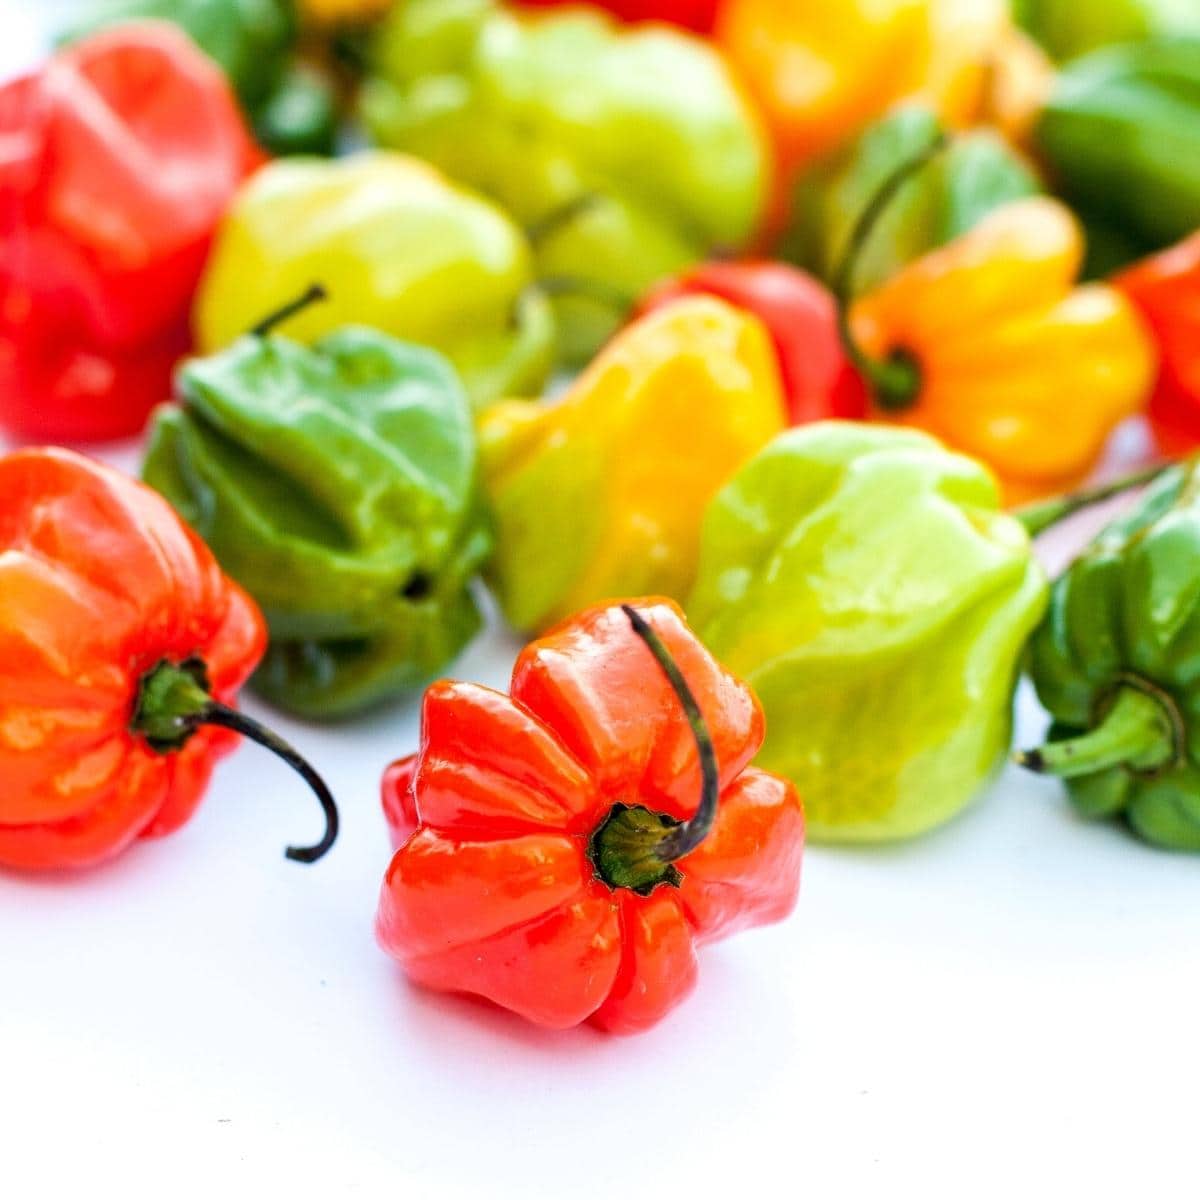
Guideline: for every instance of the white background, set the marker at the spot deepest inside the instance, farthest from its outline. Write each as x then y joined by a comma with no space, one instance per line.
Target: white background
1008,1006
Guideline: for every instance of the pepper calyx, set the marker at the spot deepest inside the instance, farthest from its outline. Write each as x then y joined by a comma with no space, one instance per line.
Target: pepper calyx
626,849
895,381
1140,729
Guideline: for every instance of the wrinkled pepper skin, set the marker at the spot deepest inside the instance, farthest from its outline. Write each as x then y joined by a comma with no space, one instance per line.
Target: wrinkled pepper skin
292,109
1014,364
1166,290
1068,28
1115,663
494,891
821,72
865,584
99,582
948,196
696,15
397,247
600,493
338,485
799,313
628,152
1122,135
118,158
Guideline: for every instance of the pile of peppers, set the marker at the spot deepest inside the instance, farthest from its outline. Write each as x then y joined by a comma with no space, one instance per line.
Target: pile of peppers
741,350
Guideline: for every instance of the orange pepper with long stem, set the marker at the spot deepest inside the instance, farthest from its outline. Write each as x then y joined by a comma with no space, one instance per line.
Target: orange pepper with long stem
989,343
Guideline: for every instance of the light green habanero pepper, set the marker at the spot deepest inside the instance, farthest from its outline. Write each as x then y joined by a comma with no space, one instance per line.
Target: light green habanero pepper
866,583
627,152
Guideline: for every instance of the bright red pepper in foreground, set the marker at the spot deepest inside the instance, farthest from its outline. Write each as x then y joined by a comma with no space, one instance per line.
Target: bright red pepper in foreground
121,646
117,159
1166,288
535,869
800,314
699,15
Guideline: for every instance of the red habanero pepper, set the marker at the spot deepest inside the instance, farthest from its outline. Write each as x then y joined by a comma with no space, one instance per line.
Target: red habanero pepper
800,314
697,15
567,847
122,646
117,158
1166,289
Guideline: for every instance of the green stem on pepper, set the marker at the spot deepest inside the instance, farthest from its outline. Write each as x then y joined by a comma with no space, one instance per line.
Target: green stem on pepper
313,293
1042,514
895,382
174,701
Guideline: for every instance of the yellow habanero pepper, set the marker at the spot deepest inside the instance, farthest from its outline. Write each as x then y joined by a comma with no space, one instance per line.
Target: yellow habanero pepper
988,343
600,494
821,71
341,12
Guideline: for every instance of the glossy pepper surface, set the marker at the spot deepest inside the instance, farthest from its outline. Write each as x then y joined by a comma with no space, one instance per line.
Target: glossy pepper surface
798,312
697,15
600,493
338,485
1068,28
628,152
988,343
292,109
865,583
121,647
946,197
1166,290
397,247
1122,134
822,72
521,813
1115,664
116,161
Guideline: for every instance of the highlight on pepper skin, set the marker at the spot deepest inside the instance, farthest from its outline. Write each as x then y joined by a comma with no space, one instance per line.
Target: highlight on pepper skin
565,849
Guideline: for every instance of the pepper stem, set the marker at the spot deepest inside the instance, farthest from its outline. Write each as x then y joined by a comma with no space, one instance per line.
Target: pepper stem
894,381
174,701
1041,515
313,293
1138,732
557,218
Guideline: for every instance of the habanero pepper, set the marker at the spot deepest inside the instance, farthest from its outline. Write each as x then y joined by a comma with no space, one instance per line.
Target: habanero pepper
1166,290
600,493
798,312
567,847
988,343
1116,660
864,581
696,15
399,248
627,152
117,159
1068,28
339,485
122,647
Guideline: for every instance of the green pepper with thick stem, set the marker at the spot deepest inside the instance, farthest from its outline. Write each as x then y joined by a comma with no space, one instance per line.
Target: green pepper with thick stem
866,583
338,485
976,173
291,106
1116,663
628,152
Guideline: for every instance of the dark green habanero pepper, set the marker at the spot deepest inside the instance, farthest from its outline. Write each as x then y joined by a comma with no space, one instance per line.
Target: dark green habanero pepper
1121,133
1116,663
976,173
337,483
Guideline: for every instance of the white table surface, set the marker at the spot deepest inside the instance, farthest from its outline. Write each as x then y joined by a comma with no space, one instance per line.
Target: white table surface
1006,1007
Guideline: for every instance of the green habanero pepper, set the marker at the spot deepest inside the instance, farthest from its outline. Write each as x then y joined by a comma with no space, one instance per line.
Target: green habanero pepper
629,153
1122,134
1068,28
338,485
291,106
865,582
399,248
950,194
1116,663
